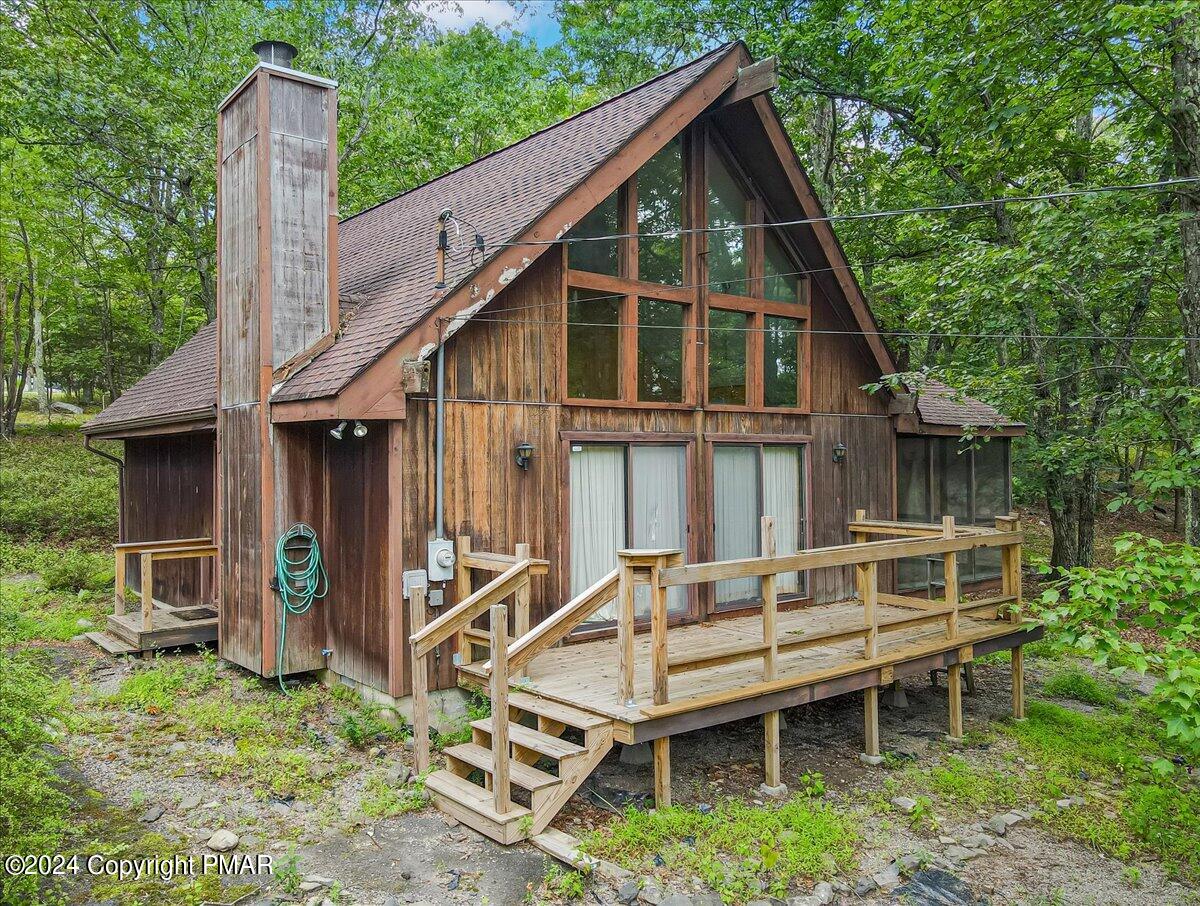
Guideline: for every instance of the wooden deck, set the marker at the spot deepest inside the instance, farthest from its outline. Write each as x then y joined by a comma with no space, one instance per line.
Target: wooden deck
584,675
170,627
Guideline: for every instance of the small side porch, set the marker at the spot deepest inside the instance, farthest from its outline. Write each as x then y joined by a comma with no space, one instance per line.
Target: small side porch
156,624
557,709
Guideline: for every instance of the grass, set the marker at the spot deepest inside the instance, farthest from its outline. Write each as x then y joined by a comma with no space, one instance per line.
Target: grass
1076,684
741,851
161,687
381,799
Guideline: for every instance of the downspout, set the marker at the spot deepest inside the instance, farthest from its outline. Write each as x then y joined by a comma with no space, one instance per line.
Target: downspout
87,445
440,442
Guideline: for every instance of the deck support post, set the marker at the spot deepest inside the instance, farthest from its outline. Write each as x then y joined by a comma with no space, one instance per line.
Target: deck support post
147,591
420,681
662,772
866,578
462,586
625,630
499,688
871,722
770,631
954,685
1018,683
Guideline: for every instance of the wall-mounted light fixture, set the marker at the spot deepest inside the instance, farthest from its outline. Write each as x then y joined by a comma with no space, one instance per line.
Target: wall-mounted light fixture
839,452
360,430
523,453
337,432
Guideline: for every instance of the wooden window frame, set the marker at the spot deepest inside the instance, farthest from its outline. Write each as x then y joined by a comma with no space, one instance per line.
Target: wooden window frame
628,440
711,442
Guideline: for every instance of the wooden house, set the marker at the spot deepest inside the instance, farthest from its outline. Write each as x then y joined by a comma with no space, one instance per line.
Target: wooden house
672,389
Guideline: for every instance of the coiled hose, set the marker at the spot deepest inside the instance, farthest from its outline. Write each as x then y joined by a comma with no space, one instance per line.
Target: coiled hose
299,581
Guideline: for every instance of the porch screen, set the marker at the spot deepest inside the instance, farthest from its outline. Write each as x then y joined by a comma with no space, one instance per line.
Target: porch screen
625,496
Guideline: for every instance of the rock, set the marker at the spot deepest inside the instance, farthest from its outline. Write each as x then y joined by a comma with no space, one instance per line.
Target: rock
888,878
978,841
905,804
804,901
864,886
871,761
309,886
222,841
961,853
187,803
651,894
84,623
997,825
399,775
319,880
934,886
152,814
910,862
637,755
824,893
708,898
628,891
678,899
773,792
178,747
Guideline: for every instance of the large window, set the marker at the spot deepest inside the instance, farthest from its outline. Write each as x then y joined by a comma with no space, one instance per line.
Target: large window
751,481
940,476
633,306
626,496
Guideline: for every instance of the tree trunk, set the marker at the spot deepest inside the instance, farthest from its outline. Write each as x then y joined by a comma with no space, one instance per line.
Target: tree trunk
37,369
1063,505
1185,123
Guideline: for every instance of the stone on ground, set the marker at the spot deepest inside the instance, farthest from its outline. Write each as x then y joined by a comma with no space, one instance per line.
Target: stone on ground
628,891
637,755
222,841
932,885
904,804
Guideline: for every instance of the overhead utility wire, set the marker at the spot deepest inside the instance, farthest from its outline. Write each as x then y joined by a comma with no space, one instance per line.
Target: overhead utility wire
864,215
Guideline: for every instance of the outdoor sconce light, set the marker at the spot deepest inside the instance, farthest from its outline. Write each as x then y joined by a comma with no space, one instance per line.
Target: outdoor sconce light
523,454
338,431
360,430
839,452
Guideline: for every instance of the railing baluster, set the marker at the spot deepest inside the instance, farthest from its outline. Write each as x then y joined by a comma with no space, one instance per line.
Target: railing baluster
420,680
499,688
147,591
462,586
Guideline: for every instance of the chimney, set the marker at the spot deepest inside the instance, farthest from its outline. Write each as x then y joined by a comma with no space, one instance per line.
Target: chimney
276,299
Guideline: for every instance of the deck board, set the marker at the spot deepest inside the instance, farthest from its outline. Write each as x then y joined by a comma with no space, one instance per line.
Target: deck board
585,674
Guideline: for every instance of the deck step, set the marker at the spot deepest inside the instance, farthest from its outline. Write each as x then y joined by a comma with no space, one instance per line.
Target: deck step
563,714
473,806
542,743
522,775
110,643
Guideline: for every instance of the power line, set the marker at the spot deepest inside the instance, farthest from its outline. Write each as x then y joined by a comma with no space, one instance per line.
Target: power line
864,215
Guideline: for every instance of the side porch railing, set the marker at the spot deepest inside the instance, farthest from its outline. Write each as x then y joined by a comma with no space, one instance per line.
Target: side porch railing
149,553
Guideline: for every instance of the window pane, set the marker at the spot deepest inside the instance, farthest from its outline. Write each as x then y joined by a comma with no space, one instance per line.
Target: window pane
781,280
660,209
736,516
597,516
593,345
598,257
727,357
727,248
658,517
783,498
660,351
951,480
781,361
912,477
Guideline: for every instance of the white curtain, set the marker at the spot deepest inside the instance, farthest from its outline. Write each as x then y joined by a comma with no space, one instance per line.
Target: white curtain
597,516
658,501
783,490
735,506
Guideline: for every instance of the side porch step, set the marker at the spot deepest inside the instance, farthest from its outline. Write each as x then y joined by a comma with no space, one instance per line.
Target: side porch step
551,710
472,805
476,756
535,741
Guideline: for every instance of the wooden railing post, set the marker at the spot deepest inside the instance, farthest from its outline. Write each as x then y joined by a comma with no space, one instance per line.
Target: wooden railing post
860,516
521,600
420,680
770,658
625,692
950,571
500,746
658,634
147,591
1010,573
119,598
462,586
867,580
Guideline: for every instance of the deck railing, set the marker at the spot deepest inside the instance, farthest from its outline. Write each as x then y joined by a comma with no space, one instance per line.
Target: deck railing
150,552
513,580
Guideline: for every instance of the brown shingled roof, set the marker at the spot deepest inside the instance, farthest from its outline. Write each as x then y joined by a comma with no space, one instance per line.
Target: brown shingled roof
385,253
940,404
183,387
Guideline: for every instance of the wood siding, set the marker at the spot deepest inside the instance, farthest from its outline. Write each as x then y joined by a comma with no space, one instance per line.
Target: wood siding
167,493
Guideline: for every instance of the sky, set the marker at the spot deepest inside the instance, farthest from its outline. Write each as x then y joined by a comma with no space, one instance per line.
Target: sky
531,17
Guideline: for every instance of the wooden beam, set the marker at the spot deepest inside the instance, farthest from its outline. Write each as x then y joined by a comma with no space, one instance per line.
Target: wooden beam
662,772
871,721
658,636
1018,683
770,658
119,583
420,681
753,80
950,573
462,587
520,604
147,591
954,684
625,628
501,797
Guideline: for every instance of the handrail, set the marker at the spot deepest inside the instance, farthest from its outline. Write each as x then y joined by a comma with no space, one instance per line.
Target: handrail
498,563
469,609
559,624
134,547
148,552
912,529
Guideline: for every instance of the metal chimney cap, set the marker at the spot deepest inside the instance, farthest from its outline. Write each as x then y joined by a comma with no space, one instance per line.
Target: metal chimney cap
277,53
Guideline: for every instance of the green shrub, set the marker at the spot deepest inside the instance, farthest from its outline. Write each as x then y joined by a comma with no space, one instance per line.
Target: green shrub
1080,686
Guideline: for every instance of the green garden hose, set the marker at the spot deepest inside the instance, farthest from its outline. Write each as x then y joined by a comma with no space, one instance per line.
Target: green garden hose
299,581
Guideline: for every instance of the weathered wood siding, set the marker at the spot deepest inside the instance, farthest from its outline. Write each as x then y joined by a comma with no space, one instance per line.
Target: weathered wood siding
167,493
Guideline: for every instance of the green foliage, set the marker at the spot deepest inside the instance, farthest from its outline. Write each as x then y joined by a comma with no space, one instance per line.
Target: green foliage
159,688
968,785
381,799
1079,685
737,847
1154,586
565,884
478,706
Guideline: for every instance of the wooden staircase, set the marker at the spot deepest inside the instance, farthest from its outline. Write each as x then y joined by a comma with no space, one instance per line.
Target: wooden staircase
548,767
